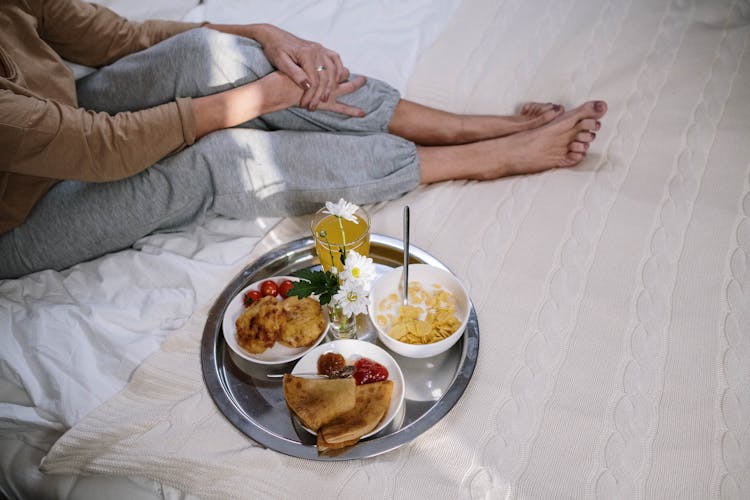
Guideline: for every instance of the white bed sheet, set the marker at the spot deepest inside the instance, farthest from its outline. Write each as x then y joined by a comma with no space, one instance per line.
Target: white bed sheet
613,298
71,340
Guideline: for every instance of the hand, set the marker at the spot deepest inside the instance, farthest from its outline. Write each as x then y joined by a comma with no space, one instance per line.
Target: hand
342,89
273,92
302,61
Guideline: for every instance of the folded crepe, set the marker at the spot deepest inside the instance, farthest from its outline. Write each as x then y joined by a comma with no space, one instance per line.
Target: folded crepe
318,401
372,402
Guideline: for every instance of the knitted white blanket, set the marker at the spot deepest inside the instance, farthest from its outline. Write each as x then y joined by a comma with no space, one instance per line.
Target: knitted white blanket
613,298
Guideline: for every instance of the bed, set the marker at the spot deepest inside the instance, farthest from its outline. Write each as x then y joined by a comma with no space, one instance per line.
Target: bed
613,298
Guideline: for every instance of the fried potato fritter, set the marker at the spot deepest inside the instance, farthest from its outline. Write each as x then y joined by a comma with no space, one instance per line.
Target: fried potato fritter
259,325
294,322
304,321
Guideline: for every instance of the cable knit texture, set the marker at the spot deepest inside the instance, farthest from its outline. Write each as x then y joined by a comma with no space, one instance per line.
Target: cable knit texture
613,298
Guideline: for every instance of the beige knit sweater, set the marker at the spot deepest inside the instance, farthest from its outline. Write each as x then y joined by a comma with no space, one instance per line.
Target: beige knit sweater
44,136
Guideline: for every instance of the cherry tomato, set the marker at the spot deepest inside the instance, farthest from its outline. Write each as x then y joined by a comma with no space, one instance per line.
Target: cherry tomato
269,288
367,371
251,297
284,287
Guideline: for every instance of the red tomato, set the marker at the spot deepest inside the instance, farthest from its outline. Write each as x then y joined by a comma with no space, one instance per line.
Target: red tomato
367,371
284,287
269,288
251,297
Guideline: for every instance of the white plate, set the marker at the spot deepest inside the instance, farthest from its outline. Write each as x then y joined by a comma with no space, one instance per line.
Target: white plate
275,355
352,350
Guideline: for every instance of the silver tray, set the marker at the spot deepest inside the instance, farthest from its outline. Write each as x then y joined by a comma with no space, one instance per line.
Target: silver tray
254,403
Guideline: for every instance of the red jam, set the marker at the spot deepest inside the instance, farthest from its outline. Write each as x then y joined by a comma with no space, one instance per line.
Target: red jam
368,371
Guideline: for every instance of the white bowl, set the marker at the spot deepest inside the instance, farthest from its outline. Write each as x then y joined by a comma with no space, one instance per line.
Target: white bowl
352,350
275,355
428,276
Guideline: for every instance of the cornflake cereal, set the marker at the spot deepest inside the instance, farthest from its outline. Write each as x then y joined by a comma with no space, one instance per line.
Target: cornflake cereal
429,317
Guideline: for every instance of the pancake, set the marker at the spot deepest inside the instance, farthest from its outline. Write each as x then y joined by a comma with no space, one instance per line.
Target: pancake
372,402
317,401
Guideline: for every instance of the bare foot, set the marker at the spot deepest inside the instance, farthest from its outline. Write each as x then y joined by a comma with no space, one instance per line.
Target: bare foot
562,142
531,115
535,114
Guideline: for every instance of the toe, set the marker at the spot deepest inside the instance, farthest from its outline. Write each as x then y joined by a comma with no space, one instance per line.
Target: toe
541,108
585,136
574,158
550,113
578,147
589,124
591,110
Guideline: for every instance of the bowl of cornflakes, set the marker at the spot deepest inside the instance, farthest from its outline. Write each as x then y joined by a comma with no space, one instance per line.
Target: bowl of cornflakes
432,321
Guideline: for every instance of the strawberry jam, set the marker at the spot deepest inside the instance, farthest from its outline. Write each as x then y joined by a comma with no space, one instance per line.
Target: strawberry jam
368,371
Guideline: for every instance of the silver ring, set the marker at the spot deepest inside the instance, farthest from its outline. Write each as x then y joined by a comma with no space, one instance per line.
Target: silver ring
320,68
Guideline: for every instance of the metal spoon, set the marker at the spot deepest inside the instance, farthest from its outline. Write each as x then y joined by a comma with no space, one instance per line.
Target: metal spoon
406,255
345,372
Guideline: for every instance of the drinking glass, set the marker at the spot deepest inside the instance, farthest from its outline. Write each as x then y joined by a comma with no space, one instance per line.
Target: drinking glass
334,237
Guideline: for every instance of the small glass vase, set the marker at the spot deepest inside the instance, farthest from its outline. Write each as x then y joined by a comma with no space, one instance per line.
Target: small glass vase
342,326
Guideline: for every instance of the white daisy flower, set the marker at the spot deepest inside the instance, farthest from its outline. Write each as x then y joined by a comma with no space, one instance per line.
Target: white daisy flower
359,268
342,209
352,298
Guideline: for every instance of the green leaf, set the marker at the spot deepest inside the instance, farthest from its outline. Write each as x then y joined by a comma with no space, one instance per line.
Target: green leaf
324,284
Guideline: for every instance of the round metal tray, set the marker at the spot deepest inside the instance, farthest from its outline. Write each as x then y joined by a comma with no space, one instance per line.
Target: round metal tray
255,404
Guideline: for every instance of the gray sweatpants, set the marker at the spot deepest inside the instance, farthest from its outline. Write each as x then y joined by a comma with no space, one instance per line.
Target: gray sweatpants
284,163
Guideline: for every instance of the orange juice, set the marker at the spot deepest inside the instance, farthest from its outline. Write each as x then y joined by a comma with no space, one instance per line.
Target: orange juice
330,240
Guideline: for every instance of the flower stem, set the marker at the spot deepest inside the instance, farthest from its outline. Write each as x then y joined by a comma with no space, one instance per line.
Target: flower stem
343,241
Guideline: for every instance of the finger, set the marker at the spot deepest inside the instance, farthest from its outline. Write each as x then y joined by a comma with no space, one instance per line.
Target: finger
345,109
286,65
314,79
351,86
307,96
345,75
342,73
324,82
328,79
309,64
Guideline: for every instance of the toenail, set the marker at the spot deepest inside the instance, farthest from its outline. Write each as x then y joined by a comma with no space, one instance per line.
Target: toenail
598,125
599,106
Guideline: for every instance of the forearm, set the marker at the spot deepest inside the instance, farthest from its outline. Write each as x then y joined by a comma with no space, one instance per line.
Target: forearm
94,35
233,107
255,31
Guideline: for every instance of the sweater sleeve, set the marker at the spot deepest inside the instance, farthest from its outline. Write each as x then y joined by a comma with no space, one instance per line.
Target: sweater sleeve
47,139
89,34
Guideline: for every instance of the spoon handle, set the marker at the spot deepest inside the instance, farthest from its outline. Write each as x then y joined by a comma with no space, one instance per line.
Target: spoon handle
406,255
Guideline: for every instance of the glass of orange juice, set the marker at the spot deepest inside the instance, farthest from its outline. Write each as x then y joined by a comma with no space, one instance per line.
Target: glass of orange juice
335,236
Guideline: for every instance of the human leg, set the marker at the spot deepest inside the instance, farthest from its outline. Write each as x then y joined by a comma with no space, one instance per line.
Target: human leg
191,64
431,127
257,173
203,62
78,221
562,142
238,173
